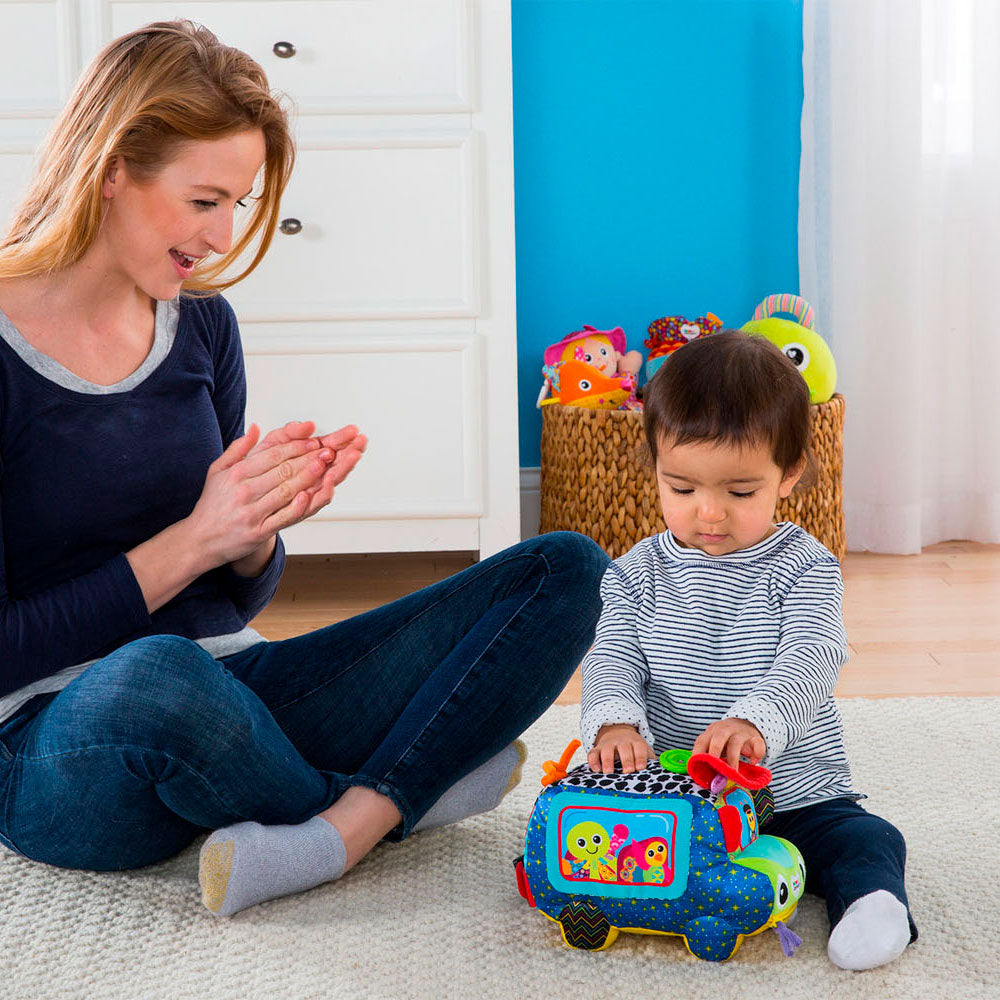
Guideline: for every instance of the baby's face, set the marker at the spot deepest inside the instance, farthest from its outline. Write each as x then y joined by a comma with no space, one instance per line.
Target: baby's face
718,498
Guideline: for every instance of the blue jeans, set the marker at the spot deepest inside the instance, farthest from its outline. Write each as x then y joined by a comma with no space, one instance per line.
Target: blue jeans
157,742
848,852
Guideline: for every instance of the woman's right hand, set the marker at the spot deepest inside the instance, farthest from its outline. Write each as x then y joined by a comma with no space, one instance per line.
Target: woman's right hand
249,496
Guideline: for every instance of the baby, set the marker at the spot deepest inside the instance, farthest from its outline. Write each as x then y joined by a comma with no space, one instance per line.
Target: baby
725,633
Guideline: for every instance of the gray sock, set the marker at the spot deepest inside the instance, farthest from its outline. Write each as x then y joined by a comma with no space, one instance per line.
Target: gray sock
246,863
479,791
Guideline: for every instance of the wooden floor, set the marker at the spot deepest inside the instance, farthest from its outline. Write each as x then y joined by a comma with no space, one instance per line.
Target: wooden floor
927,624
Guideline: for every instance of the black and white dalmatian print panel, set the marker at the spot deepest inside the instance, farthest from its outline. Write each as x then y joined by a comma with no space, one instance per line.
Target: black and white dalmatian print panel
651,780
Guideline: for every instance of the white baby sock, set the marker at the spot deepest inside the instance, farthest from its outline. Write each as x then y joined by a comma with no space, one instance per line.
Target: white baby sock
246,863
874,930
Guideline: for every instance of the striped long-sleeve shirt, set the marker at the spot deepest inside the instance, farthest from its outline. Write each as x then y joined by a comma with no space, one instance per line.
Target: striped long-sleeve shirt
687,638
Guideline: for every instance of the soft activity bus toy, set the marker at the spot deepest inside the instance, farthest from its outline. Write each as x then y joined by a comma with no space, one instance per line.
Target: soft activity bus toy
671,849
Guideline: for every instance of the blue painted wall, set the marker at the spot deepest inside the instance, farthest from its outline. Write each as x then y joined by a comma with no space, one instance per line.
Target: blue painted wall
656,159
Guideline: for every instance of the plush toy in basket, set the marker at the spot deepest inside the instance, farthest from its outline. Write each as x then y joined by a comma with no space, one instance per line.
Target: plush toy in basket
591,368
668,333
798,340
671,849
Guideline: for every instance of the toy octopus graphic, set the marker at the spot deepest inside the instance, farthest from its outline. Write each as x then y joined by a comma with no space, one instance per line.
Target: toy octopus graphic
593,850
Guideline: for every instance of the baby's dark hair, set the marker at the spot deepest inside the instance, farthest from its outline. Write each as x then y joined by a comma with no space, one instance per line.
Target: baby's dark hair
732,388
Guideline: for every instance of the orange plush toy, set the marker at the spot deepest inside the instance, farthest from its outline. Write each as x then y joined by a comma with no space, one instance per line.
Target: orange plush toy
591,368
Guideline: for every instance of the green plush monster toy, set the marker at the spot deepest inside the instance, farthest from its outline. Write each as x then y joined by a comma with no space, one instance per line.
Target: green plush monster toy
798,341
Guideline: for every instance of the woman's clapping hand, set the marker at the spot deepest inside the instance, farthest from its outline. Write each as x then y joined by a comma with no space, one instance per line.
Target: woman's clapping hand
347,445
257,487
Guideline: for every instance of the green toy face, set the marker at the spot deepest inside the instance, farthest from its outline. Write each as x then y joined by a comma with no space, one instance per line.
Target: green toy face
587,841
806,348
781,861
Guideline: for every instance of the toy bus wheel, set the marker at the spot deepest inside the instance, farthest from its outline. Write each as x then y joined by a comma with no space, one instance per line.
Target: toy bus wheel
584,926
711,938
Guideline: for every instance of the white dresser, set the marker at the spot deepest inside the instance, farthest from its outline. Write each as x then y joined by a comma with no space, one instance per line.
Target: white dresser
389,301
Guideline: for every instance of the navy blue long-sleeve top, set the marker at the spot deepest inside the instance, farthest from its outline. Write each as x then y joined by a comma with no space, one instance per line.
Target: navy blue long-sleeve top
88,472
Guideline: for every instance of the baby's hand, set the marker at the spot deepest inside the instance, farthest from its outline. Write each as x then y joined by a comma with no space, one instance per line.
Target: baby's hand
730,738
621,740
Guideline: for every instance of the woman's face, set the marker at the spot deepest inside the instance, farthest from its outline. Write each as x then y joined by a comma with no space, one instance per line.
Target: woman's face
155,233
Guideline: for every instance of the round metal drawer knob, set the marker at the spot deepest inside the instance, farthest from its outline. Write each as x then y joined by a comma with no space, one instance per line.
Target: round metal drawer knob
290,226
284,50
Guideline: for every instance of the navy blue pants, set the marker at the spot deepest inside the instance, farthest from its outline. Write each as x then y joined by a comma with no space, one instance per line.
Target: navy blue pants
848,853
158,741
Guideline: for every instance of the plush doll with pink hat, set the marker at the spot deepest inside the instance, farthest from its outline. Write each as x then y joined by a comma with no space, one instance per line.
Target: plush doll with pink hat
600,372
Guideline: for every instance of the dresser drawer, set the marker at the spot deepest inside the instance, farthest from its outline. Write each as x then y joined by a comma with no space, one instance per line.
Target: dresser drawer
349,55
389,229
417,396
38,67
16,172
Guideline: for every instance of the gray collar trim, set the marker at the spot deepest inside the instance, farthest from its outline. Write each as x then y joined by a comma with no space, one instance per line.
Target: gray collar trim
165,330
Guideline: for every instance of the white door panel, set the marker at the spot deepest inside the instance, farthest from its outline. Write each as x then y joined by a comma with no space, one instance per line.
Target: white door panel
15,174
38,65
417,401
387,230
339,55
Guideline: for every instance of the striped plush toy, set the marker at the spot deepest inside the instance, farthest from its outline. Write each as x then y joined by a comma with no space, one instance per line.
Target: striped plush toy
797,339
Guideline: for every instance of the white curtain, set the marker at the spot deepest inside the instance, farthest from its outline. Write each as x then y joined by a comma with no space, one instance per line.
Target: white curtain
899,253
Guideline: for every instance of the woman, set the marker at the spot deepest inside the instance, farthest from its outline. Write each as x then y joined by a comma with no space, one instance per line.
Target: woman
140,531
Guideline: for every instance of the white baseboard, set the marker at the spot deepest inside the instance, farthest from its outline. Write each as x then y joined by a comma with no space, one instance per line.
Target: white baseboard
531,501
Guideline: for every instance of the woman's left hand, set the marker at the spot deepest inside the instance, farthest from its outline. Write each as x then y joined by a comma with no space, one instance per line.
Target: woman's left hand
347,444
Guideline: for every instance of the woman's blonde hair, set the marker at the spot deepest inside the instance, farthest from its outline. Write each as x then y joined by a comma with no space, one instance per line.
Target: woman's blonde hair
145,95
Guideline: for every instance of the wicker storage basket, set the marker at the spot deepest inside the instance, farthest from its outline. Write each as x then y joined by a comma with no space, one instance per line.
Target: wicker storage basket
595,481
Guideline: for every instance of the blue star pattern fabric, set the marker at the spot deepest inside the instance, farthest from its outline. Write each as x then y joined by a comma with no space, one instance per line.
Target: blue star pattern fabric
647,851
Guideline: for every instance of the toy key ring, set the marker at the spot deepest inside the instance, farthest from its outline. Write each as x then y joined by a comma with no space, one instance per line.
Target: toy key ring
675,761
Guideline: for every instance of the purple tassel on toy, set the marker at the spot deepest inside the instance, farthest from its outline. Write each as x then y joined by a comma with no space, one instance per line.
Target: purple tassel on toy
718,783
788,938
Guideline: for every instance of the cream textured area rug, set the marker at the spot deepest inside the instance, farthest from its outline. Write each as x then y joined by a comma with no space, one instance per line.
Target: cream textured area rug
440,916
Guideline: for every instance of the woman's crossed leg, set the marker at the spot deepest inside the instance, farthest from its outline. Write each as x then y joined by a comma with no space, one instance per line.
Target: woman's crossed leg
315,747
